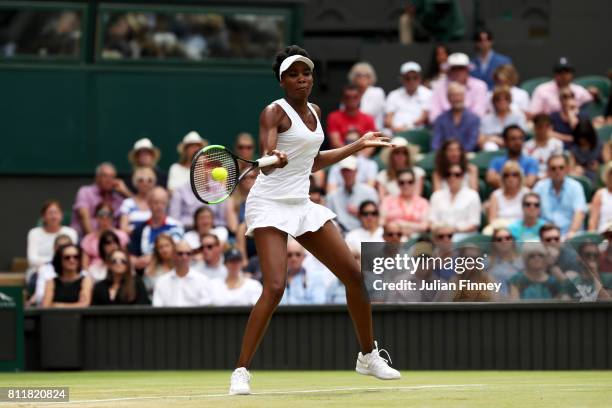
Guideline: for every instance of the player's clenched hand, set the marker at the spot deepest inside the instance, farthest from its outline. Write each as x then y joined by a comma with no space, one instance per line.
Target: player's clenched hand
282,158
375,139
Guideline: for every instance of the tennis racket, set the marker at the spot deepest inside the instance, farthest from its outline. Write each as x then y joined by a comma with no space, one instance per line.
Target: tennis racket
215,173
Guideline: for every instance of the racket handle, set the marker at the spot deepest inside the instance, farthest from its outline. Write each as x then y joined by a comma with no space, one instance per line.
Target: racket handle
267,161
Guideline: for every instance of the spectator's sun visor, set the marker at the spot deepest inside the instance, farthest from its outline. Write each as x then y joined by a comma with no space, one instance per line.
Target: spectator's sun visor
290,60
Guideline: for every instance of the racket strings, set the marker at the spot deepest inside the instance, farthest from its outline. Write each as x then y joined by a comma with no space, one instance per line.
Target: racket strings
206,186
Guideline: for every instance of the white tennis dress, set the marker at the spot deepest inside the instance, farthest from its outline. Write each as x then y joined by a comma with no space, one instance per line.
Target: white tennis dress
280,199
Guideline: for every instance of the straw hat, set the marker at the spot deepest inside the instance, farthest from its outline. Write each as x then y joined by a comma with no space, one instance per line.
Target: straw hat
191,138
143,144
399,142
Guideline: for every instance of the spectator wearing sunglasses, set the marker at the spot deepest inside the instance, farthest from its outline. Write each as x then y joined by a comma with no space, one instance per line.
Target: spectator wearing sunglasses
245,148
514,137
92,242
397,158
121,286
237,289
504,261
442,238
527,229
562,198
182,286
505,202
145,155
458,206
135,210
302,287
408,209
70,288
211,265
534,282
563,257
370,229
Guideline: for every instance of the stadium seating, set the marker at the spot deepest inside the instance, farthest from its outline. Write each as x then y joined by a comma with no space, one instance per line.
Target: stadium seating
587,186
481,240
604,133
482,160
418,137
428,163
600,82
531,84
585,236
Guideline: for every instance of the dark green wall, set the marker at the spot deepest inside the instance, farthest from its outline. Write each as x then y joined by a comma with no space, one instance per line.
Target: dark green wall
65,120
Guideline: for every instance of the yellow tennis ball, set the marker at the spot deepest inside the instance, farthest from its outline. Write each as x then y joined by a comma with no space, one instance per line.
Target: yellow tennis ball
219,174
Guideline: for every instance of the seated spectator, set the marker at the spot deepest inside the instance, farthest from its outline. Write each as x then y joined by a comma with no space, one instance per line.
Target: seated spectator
367,169
475,90
40,239
145,155
474,273
392,232
486,60
534,282
543,145
457,122
451,153
601,205
605,260
135,210
303,287
457,207
562,198
423,274
514,138
494,123
184,204
370,230
341,121
143,238
211,264
104,222
505,202
107,242
586,151
245,148
566,119
203,221
345,202
162,261
179,172
408,106
527,229
236,289
587,283
504,261
545,98
562,257
408,209
506,75
70,289
182,286
45,273
363,76
106,189
120,287
395,159
442,237
438,65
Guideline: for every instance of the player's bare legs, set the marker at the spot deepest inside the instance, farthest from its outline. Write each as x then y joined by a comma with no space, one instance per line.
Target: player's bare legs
271,246
328,246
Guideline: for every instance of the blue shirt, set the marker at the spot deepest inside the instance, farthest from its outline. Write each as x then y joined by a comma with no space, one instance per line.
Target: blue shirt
522,233
304,289
466,132
485,73
529,165
560,209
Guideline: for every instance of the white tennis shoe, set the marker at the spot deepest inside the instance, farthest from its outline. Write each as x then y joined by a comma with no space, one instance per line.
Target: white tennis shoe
240,382
373,364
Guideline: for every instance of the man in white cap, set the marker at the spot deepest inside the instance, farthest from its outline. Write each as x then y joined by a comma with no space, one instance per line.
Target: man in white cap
476,99
408,106
345,201
145,154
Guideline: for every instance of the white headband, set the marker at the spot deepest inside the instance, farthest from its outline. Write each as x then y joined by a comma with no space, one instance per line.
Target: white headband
290,60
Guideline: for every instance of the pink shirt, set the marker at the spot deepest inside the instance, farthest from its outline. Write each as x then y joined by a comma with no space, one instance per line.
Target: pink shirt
89,197
545,98
397,209
476,98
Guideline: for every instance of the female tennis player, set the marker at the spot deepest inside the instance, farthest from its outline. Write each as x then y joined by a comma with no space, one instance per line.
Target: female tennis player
278,205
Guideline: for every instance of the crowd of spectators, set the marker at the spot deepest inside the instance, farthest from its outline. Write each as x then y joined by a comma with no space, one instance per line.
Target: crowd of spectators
546,182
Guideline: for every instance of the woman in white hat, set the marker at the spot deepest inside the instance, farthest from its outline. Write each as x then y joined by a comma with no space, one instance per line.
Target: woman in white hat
397,158
145,154
179,172
278,205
